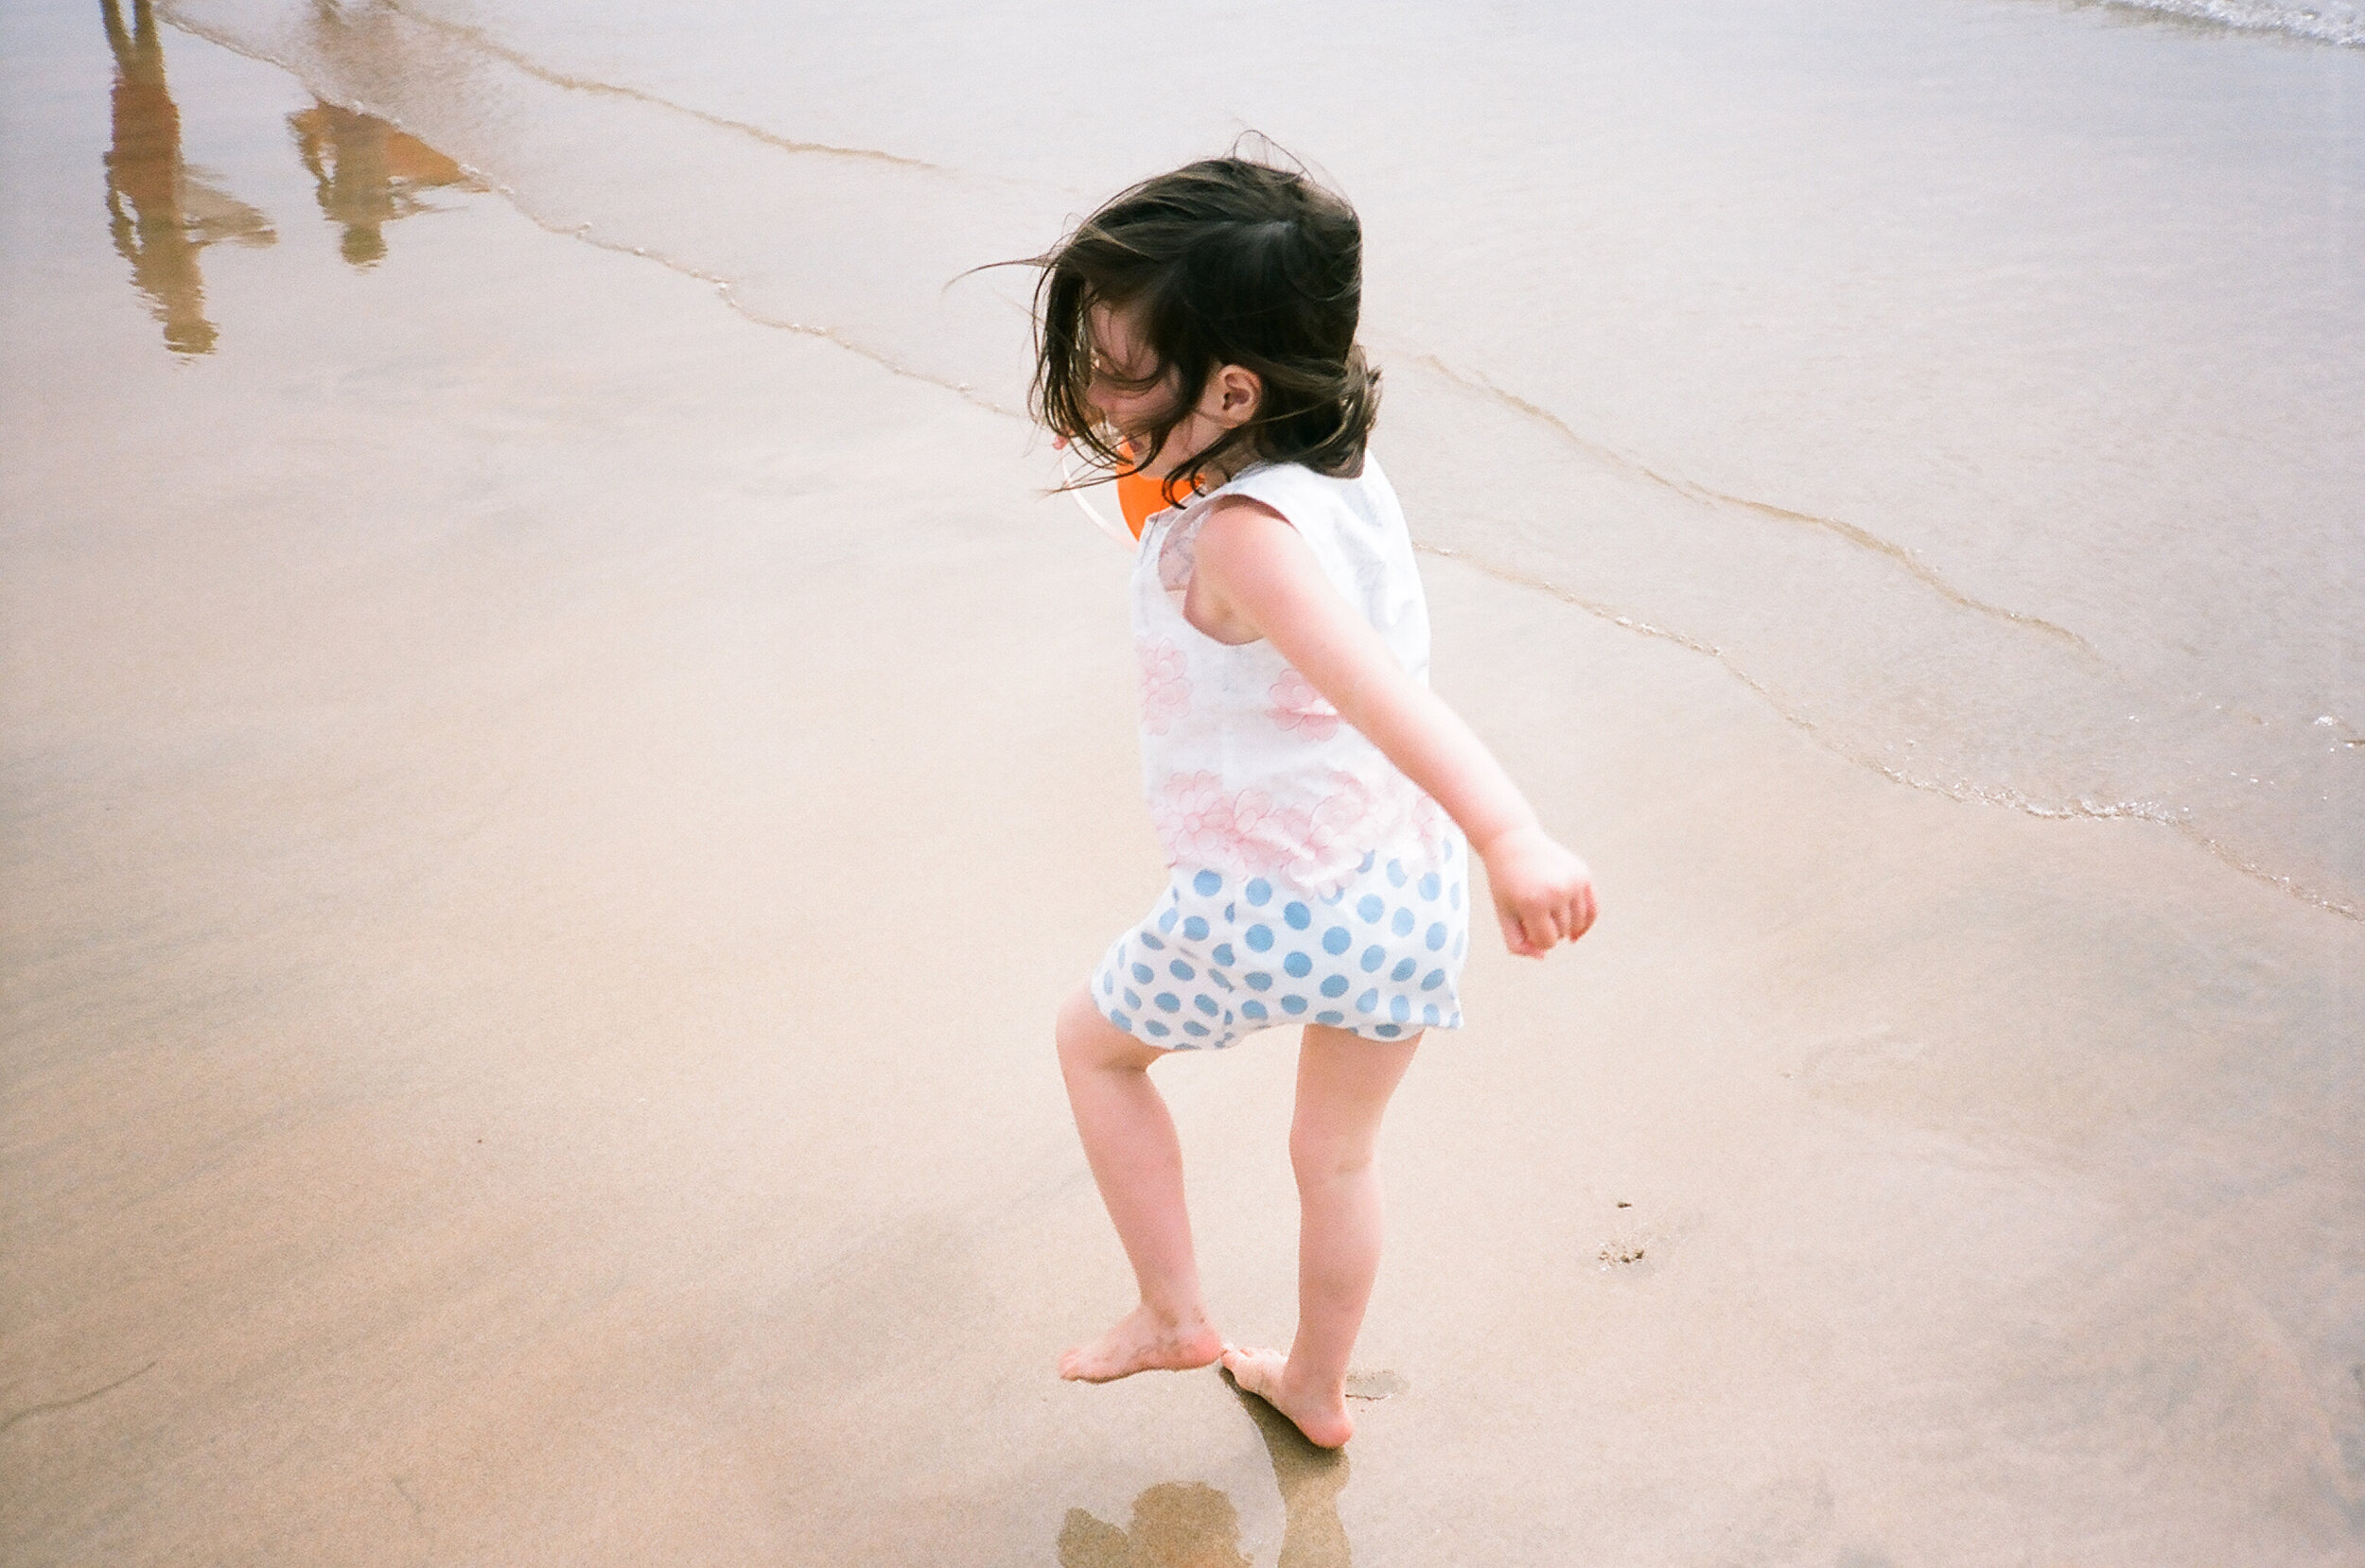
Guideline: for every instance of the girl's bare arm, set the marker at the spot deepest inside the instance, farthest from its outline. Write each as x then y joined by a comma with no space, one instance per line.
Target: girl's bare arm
1255,578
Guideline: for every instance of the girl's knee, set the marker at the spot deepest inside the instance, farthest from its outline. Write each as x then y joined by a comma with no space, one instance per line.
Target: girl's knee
1319,1153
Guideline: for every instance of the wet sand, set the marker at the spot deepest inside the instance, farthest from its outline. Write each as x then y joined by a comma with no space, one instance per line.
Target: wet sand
545,824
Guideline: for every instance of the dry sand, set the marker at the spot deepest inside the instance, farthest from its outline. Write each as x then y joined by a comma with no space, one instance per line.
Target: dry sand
545,825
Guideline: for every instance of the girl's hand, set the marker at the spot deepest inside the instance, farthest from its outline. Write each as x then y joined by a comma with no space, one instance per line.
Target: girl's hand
1543,894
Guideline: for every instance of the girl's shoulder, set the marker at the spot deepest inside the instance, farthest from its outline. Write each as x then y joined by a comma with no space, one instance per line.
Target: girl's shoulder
1316,501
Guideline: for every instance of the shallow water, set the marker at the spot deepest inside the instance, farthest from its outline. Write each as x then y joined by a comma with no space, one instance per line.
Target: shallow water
1983,383
2328,22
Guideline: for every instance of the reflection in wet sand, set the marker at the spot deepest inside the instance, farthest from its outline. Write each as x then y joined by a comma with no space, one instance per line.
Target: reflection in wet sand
367,174
160,211
1310,1480
1175,1524
1178,1524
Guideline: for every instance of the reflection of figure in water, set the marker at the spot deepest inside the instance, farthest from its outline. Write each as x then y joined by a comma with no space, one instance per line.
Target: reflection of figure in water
160,211
1174,1526
1194,1527
367,174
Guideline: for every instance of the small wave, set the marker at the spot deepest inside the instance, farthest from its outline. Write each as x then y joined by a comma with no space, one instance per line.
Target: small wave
2319,23
491,46
1968,791
1862,538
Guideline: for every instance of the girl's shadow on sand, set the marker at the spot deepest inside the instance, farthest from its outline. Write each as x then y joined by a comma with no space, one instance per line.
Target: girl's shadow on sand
1191,1524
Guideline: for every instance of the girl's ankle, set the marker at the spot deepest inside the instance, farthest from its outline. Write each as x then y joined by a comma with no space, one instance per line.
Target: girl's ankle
1190,1320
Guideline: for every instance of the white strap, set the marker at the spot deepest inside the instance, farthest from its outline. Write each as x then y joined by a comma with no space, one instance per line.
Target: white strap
1114,530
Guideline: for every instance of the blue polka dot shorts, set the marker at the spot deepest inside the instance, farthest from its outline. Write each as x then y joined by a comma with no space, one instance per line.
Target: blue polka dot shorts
1222,956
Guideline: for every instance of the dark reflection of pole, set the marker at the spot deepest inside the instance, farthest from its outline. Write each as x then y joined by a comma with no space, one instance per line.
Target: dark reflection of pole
366,174
1192,1525
160,213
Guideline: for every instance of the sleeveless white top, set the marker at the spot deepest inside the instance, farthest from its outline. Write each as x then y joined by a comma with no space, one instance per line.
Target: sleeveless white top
1247,768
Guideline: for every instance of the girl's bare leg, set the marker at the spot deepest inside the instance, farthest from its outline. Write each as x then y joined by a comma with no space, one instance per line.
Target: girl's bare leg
1343,1086
1137,1161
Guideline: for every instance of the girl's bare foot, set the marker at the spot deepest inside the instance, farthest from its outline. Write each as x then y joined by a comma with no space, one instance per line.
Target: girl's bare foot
1142,1341
1321,1415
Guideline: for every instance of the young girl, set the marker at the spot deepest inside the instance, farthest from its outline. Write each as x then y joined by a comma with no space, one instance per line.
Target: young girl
1295,758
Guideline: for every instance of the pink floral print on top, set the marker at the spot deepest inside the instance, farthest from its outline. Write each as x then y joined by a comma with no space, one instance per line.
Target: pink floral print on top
1166,683
1178,557
1296,706
1200,823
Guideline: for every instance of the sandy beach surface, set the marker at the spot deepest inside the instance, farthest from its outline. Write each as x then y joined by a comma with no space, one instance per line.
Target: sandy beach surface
546,818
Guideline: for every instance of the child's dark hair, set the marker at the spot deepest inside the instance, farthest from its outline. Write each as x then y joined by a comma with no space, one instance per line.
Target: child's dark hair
1222,262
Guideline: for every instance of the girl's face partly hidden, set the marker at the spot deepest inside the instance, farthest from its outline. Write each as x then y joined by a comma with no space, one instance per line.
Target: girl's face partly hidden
1134,393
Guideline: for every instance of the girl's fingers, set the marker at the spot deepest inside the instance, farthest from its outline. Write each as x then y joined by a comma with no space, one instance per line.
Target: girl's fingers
1534,931
1564,919
1576,911
1534,924
1538,919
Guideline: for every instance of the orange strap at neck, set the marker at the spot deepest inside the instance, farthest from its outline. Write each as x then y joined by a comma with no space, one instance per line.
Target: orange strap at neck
1138,496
